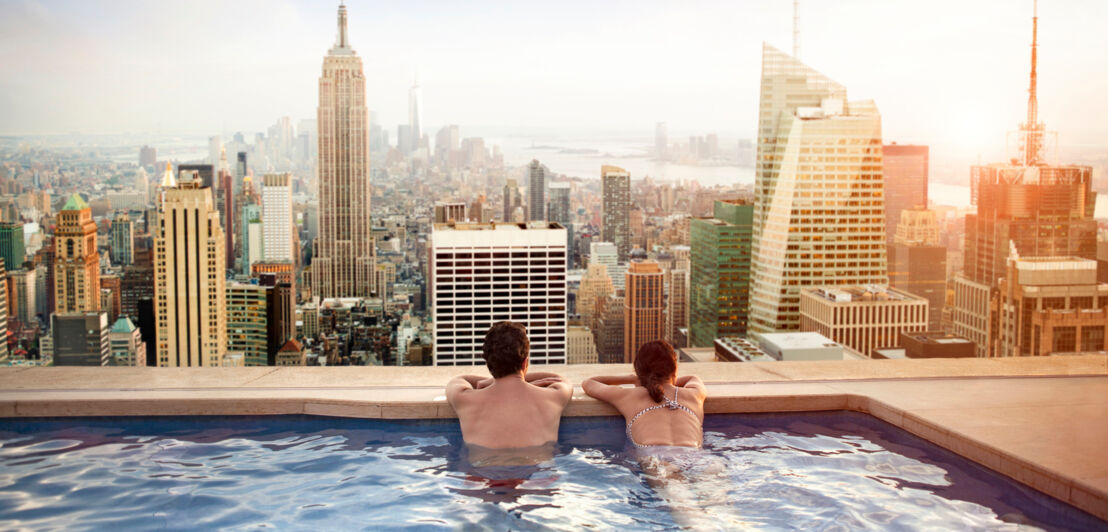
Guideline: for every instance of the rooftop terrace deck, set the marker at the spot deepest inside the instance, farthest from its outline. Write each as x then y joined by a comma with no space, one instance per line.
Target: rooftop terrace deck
1042,421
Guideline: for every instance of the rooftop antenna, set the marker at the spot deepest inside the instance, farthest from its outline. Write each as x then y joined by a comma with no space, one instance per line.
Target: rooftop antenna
1032,130
796,29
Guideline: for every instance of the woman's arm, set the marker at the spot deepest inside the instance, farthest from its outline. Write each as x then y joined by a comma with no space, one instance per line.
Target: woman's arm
607,388
616,380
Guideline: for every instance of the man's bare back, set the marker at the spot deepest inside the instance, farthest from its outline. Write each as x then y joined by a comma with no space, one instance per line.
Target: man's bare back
515,411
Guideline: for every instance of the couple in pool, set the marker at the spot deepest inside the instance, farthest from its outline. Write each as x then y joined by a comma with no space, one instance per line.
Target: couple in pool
512,418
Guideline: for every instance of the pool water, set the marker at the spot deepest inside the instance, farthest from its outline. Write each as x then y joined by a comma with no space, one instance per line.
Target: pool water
826,471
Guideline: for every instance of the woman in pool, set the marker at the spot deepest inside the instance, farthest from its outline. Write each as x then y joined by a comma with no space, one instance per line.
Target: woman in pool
661,410
665,417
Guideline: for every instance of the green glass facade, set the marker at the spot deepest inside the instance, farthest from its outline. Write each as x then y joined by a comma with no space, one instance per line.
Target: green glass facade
11,245
246,323
720,277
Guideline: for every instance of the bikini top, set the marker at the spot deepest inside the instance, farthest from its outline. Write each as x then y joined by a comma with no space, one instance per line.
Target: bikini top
671,404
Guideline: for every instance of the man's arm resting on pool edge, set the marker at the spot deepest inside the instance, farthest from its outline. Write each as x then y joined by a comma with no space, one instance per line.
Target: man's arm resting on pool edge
551,381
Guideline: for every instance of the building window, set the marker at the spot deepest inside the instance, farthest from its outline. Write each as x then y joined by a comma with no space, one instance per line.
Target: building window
1092,339
1065,340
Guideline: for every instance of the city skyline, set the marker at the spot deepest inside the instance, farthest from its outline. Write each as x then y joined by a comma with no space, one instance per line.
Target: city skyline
470,74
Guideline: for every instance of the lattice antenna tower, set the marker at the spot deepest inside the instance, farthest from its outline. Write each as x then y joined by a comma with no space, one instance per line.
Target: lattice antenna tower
796,29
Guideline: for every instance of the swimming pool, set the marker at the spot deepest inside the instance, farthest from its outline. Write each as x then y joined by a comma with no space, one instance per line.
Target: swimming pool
827,470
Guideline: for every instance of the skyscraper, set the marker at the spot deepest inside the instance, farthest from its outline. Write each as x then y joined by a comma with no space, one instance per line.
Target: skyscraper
819,212
12,248
559,211
512,199
189,283
252,237
1028,206
917,262
215,148
246,323
617,209
677,303
343,258
536,190
225,203
472,289
595,285
415,121
661,142
240,170
277,217
643,307
148,156
76,260
720,277
906,171
123,240
606,253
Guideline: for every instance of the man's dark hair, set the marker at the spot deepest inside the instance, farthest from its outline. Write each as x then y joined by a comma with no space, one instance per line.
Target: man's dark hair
506,348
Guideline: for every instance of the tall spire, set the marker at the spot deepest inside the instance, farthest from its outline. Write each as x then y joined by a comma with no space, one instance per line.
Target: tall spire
1032,130
342,27
167,179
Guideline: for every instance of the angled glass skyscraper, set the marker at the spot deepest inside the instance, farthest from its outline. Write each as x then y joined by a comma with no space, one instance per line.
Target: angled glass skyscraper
343,258
819,210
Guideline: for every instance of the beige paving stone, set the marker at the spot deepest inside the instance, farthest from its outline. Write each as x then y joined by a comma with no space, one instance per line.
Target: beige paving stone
409,411
1066,439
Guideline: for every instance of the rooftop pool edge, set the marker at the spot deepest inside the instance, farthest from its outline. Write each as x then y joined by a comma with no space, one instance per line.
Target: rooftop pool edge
1039,421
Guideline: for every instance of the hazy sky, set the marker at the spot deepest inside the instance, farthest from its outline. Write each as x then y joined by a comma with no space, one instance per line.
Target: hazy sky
936,68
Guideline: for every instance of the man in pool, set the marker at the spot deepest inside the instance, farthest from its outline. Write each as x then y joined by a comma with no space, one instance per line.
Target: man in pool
513,410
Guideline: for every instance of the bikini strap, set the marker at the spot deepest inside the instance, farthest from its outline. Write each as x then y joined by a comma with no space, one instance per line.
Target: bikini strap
671,404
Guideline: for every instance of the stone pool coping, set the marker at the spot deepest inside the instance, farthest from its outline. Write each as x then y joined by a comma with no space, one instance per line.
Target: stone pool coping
1041,421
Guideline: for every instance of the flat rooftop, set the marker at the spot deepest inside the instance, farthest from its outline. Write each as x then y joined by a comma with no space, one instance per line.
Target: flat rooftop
799,340
860,294
497,226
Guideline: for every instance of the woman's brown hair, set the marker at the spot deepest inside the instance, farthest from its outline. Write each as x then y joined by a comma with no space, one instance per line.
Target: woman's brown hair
655,365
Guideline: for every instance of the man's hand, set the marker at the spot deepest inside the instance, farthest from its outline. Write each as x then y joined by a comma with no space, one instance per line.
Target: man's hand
484,383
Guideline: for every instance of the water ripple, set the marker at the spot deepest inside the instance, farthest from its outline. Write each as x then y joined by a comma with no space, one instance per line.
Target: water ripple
765,472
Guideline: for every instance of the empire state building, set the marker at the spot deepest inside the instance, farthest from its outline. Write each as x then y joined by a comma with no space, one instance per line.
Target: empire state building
343,261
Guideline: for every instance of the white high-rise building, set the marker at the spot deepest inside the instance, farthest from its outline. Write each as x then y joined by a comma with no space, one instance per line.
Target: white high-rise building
482,274
277,217
819,210
607,253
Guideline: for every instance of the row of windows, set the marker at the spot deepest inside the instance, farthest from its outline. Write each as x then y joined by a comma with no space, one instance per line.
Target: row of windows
442,255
